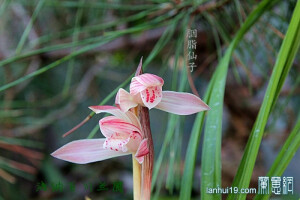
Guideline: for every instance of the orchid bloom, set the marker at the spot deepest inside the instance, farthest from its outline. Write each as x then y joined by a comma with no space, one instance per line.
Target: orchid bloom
123,136
146,90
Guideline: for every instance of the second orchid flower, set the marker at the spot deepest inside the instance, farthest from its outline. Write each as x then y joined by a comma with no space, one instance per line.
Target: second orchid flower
146,90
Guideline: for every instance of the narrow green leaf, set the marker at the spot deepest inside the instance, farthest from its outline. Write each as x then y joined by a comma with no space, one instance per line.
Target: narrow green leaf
92,41
191,153
173,120
22,142
211,153
104,40
94,5
172,166
174,136
211,160
52,65
29,26
4,165
93,132
72,61
90,28
282,66
284,157
3,7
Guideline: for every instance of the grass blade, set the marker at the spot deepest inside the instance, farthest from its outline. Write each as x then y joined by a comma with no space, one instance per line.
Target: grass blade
283,64
52,65
211,158
29,26
71,63
284,157
211,153
191,153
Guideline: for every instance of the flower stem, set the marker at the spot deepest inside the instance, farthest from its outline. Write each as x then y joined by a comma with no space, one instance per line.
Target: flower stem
136,178
147,167
137,168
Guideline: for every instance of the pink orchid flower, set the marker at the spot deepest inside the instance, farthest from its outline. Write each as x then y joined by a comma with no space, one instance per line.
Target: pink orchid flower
146,90
123,134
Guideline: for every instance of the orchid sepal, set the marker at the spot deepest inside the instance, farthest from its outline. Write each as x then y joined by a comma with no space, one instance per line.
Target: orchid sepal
86,151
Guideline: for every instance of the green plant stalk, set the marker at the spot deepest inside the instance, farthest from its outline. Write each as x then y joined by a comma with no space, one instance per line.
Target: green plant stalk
137,170
282,66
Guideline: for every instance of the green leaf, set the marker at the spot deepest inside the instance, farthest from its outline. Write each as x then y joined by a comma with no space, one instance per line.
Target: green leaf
282,66
191,153
71,63
22,142
284,157
211,153
29,26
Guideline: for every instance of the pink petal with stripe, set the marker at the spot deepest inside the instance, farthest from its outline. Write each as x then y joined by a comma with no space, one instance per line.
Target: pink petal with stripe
106,131
141,82
86,151
124,100
181,103
111,110
134,120
151,96
110,125
142,151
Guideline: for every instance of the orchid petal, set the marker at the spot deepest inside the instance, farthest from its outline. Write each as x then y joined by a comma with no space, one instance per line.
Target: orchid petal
141,82
134,120
151,96
142,151
116,142
135,140
181,103
111,110
106,131
110,125
124,100
85,151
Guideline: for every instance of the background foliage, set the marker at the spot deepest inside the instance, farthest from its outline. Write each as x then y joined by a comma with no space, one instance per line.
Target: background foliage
59,57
